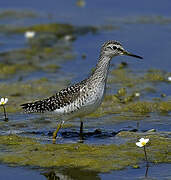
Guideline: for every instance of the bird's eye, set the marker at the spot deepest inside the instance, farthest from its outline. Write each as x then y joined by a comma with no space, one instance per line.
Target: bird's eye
114,47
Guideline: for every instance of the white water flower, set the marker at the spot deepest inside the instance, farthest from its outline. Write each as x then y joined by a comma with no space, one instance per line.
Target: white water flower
29,34
142,142
3,101
137,94
169,78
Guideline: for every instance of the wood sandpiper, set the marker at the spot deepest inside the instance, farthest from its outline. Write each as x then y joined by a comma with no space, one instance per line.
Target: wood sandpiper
84,97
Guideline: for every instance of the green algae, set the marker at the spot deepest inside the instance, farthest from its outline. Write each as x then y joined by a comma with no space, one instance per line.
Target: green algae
37,54
141,107
135,107
115,104
155,75
122,92
80,3
52,67
19,14
123,76
159,147
132,87
10,69
21,92
164,106
34,59
101,158
57,29
127,78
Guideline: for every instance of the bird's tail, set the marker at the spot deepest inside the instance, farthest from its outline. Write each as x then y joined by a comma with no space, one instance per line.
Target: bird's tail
33,107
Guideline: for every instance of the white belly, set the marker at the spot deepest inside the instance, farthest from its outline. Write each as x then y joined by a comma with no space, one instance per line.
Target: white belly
84,105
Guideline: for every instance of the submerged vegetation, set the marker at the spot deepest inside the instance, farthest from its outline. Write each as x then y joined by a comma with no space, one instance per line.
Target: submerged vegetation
101,158
20,14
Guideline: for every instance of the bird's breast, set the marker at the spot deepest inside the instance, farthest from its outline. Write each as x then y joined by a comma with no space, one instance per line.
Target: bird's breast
89,100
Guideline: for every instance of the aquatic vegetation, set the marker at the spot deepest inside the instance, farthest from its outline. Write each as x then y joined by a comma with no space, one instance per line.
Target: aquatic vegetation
158,142
59,30
169,78
121,92
155,75
137,94
3,101
142,142
6,70
101,158
113,105
132,88
22,92
80,3
33,59
29,34
17,14
38,54
127,77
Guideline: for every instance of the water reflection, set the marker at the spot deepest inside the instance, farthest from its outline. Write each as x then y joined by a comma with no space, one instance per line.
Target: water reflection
71,174
78,174
51,175
146,170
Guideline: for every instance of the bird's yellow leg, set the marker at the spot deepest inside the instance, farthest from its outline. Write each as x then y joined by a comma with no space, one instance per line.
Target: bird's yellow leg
59,126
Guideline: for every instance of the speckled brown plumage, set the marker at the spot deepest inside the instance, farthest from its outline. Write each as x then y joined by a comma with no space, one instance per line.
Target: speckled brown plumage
57,101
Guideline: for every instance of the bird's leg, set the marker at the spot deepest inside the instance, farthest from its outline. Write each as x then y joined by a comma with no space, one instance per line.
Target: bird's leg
59,126
81,131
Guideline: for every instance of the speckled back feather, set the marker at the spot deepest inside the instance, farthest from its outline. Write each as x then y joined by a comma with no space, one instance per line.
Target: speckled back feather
57,101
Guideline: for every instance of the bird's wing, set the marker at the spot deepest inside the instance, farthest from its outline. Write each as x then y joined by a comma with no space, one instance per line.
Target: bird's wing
57,101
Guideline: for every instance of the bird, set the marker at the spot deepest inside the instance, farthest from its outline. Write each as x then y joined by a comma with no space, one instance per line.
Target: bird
84,97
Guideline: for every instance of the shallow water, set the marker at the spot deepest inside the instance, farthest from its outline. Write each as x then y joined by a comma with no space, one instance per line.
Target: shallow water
154,172
142,27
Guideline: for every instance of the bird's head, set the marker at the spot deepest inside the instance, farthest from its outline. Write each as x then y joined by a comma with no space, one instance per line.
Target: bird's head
114,48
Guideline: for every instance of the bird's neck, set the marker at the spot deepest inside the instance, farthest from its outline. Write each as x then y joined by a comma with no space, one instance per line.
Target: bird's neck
102,68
